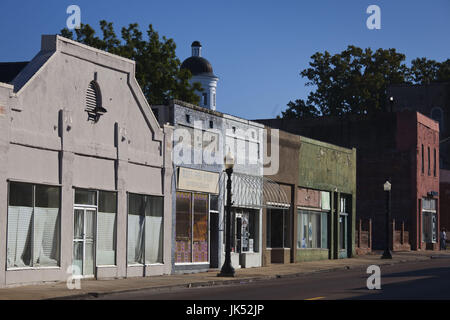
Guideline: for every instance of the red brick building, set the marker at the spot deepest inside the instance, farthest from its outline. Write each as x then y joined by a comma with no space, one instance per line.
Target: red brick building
400,146
444,199
433,100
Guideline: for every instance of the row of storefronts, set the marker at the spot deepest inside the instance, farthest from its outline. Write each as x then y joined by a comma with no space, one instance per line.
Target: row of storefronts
317,218
402,147
98,184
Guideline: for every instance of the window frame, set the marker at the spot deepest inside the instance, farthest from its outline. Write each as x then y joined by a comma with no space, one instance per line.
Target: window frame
191,213
163,224
434,162
423,160
33,184
286,224
301,211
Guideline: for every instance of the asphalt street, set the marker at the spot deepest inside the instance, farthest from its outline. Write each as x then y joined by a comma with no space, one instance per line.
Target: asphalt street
414,280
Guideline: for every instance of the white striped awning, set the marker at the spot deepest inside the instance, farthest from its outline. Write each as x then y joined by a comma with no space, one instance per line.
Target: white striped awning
255,191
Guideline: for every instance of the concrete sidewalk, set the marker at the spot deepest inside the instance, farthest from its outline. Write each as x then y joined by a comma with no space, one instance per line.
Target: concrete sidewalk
100,287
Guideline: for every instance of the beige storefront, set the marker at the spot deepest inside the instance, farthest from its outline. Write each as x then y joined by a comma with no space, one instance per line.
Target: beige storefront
196,219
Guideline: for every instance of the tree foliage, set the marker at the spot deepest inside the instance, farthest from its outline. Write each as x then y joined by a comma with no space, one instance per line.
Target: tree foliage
157,66
355,81
300,109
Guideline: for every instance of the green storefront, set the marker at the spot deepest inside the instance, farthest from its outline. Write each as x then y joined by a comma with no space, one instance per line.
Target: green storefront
316,219
324,226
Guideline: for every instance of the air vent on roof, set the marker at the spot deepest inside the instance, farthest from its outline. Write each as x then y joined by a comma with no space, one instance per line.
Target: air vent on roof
94,107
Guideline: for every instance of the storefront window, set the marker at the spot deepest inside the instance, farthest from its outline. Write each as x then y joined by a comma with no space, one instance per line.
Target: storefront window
135,229
191,227
154,230
106,228
278,228
324,230
200,244
33,225
312,229
145,229
183,228
429,221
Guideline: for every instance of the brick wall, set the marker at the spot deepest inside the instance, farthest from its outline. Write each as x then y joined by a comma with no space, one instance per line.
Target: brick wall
363,236
444,199
400,236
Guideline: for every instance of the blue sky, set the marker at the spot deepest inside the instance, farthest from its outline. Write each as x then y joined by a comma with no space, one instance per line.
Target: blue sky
257,48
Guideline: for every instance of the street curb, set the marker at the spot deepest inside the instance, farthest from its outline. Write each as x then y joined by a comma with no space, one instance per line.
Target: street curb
239,281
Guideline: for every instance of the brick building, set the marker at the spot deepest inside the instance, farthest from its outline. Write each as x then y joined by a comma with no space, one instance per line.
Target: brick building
432,100
400,146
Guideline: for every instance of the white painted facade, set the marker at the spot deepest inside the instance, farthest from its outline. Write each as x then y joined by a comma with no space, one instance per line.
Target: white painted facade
47,140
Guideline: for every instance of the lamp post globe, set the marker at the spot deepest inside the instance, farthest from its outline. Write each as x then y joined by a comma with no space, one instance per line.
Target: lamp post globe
228,160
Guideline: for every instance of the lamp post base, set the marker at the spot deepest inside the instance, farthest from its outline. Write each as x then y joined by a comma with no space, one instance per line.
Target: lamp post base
226,271
386,254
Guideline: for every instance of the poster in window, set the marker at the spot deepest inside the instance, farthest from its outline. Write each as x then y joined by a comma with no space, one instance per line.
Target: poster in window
310,231
200,243
245,232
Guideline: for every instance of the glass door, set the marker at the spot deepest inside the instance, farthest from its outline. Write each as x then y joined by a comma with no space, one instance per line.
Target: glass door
84,242
238,232
343,235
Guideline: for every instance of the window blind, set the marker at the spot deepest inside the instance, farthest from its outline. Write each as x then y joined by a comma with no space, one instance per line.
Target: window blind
19,236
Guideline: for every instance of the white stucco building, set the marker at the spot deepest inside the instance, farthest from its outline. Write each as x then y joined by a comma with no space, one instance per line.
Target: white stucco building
86,169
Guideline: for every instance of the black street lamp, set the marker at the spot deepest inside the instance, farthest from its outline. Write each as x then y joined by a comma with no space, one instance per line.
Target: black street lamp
227,269
391,103
387,191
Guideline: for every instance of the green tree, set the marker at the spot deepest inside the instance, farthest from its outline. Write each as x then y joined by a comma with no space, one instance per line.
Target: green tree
157,66
351,82
424,71
444,71
355,81
300,109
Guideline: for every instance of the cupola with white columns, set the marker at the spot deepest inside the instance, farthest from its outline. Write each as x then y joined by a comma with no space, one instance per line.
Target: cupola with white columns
202,72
